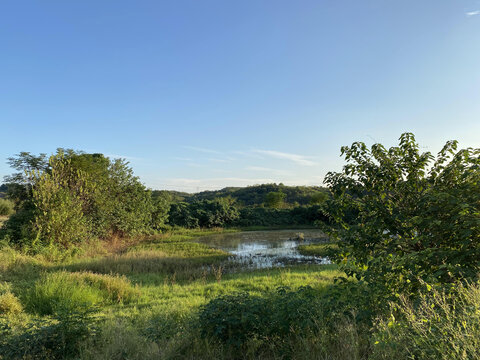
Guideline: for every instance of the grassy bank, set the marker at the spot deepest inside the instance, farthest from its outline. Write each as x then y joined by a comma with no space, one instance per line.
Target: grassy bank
321,250
145,292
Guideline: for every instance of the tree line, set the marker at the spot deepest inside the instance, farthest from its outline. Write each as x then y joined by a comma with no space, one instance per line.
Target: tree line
73,196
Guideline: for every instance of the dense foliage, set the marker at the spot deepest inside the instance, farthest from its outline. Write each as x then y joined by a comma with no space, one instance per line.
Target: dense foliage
256,195
275,199
260,216
75,197
205,213
235,319
417,216
6,207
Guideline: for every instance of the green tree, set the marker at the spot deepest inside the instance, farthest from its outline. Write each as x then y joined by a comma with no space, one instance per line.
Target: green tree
57,195
319,198
401,214
20,183
161,207
275,199
78,196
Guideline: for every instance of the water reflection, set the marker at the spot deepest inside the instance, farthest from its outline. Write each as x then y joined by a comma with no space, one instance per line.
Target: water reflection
266,249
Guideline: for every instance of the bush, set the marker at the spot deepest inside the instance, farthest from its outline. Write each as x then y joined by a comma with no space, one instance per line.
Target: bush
234,319
9,304
6,207
304,323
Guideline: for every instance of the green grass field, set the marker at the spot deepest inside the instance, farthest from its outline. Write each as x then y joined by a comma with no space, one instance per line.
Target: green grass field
146,291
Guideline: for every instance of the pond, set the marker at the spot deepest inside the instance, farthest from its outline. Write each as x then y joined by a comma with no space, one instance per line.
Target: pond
267,249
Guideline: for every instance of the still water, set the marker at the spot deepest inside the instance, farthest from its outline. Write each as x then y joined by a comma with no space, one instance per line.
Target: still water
266,249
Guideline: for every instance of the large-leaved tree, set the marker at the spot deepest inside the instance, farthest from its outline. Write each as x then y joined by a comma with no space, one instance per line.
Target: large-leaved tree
402,215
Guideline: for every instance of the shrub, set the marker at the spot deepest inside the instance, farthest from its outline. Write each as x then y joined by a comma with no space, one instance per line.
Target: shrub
9,304
6,207
234,319
303,324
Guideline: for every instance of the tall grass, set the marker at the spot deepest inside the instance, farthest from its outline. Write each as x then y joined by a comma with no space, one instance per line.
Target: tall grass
440,326
62,291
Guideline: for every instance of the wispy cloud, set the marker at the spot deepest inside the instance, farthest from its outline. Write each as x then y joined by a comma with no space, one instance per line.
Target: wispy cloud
298,159
248,154
472,13
220,160
266,169
203,150
182,158
116,156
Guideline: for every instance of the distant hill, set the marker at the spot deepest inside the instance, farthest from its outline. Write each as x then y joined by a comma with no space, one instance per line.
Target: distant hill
172,195
250,195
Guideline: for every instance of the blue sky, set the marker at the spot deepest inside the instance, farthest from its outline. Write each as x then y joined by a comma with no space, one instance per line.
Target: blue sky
205,94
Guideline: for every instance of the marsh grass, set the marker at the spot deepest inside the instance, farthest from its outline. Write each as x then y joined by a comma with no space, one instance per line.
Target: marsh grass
148,290
76,291
321,250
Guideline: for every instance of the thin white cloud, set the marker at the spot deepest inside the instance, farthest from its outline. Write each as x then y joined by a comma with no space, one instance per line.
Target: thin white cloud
472,13
266,169
116,156
203,150
248,154
220,160
298,159
195,165
184,181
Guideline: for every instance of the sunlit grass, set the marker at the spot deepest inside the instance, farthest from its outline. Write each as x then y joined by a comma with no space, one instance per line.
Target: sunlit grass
151,287
321,250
